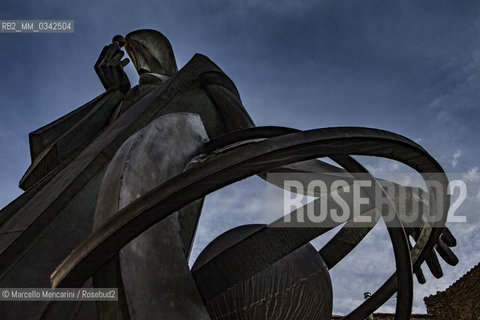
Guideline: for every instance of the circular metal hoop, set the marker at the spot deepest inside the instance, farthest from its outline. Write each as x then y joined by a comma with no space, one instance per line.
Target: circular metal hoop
287,146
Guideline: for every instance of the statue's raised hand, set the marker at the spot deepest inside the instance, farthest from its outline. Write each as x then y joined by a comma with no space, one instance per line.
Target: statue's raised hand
442,248
414,200
109,68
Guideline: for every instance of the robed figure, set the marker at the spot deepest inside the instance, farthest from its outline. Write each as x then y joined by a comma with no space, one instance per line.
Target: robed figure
70,157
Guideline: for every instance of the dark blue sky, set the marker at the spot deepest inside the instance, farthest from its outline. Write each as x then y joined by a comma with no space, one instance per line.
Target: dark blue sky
411,67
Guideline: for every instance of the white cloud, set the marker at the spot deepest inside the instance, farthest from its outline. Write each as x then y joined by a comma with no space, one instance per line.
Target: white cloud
455,158
472,175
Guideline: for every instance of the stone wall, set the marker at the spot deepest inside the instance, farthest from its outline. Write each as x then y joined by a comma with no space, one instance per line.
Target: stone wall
460,301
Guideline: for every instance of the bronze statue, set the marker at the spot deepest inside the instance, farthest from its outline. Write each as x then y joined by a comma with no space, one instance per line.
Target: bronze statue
116,188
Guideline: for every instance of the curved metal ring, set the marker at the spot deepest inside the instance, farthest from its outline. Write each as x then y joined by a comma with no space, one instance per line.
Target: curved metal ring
351,165
227,168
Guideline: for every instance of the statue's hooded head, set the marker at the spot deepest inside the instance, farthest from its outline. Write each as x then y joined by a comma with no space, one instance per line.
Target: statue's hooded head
150,52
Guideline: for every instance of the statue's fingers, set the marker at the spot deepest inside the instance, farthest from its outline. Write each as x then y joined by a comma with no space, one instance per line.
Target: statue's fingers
419,274
116,57
124,62
448,238
446,253
434,264
417,270
113,49
101,56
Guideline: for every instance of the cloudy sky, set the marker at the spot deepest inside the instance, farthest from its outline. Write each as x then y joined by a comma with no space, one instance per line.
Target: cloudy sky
410,67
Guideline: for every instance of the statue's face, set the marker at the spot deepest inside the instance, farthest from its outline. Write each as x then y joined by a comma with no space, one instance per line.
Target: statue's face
150,51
